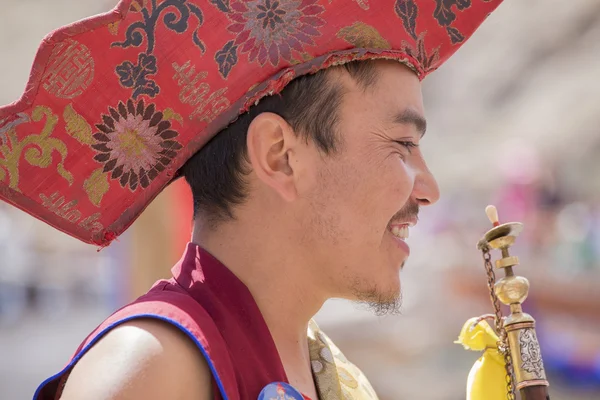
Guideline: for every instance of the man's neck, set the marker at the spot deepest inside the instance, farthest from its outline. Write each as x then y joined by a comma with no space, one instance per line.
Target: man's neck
285,294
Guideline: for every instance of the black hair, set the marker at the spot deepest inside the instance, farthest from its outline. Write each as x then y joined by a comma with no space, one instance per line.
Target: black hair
216,173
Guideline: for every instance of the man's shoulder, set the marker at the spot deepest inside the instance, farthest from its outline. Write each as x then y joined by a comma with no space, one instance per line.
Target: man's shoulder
141,358
151,347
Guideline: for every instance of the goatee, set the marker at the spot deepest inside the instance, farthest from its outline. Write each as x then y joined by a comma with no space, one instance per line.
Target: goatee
380,304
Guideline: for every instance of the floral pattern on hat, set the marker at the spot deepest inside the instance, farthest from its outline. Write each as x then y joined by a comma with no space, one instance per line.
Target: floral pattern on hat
270,30
135,143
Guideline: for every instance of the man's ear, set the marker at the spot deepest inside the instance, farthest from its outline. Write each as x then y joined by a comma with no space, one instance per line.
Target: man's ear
271,142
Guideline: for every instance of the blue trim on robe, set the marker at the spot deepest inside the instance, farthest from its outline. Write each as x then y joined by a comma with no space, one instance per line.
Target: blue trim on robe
137,316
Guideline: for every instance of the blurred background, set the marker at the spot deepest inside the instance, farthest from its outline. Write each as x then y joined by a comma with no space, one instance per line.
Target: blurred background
514,121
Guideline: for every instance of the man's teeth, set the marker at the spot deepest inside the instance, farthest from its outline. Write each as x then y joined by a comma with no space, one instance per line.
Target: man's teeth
400,231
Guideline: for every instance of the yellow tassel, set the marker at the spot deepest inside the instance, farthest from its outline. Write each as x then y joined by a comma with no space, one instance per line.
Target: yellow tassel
487,378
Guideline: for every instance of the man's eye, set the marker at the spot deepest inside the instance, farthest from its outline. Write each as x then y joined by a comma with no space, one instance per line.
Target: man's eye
407,144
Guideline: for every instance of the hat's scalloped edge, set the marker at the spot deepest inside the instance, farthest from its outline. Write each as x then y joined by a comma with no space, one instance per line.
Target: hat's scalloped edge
42,56
36,210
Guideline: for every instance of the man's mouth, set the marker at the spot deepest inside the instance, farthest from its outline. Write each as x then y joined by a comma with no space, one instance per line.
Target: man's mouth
401,229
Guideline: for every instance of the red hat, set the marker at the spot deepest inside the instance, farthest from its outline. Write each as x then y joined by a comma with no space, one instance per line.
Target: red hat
117,103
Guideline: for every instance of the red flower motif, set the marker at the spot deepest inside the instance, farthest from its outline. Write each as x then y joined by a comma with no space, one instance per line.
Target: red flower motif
270,29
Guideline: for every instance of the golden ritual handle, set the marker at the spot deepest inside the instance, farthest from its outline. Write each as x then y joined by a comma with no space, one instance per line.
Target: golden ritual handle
518,339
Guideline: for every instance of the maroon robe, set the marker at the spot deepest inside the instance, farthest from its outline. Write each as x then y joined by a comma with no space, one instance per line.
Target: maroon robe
206,301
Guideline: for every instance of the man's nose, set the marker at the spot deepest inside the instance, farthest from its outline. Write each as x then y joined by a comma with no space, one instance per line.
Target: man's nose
426,190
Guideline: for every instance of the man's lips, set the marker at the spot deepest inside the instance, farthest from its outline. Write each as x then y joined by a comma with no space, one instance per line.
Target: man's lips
400,228
409,222
399,236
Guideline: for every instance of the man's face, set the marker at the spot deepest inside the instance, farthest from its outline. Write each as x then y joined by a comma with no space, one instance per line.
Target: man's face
363,199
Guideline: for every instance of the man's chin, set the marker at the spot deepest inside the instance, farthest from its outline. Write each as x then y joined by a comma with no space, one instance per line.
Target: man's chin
381,303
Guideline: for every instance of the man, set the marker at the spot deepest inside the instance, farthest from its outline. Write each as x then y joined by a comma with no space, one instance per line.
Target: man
306,193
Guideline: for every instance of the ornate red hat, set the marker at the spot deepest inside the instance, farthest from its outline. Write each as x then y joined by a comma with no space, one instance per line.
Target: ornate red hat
117,103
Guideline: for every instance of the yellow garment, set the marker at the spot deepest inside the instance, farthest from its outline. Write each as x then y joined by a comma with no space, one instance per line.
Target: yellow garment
336,378
487,378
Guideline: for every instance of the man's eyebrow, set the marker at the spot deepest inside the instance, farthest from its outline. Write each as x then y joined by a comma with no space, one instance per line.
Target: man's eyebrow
411,117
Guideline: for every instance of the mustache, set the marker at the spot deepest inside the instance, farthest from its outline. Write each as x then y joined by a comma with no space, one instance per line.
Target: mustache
409,211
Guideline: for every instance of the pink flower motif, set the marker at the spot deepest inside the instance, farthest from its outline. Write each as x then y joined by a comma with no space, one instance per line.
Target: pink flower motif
135,143
270,29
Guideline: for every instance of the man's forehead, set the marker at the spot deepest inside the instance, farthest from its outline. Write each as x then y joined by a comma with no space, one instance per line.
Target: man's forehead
394,96
373,74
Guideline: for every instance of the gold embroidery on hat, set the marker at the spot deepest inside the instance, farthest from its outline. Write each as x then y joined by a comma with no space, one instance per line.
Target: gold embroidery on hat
362,35
58,205
194,92
364,4
91,223
77,126
70,70
169,114
138,5
96,186
305,57
114,28
37,148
